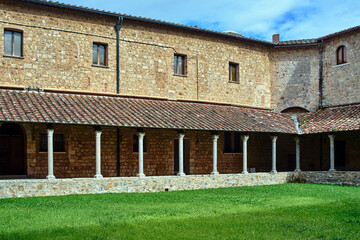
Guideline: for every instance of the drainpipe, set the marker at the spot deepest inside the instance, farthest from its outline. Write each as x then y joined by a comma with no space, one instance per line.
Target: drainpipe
321,78
118,27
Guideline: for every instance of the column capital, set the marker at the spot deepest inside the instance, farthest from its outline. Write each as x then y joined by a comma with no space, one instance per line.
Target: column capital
274,138
181,136
49,126
244,137
332,137
215,137
141,135
297,139
50,131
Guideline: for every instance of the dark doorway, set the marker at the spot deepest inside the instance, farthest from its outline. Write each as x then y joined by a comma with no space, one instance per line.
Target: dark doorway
12,150
186,151
291,162
339,155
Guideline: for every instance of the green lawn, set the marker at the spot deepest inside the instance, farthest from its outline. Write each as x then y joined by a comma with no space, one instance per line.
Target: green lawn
289,211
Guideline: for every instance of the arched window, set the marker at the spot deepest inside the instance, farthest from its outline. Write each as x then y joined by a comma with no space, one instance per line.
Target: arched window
341,55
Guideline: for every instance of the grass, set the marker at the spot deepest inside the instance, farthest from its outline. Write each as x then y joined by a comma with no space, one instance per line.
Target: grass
289,211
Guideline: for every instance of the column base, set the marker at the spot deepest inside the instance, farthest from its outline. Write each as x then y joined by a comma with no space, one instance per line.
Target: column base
332,170
215,173
297,170
98,176
141,175
273,171
181,174
50,177
245,172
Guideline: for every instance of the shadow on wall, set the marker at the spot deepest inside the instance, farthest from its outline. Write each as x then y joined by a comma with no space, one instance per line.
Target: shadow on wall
297,88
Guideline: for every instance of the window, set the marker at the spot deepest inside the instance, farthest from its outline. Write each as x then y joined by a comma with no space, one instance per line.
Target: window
58,143
341,55
99,54
136,143
232,143
233,72
12,43
179,64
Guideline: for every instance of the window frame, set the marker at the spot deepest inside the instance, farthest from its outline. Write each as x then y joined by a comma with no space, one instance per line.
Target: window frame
97,64
136,144
234,146
343,58
176,65
43,147
234,65
13,31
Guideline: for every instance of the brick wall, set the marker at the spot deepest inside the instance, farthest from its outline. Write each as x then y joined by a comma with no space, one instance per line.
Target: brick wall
78,160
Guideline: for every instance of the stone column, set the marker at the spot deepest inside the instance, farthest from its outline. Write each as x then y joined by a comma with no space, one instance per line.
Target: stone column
297,141
50,175
215,137
98,133
332,153
141,136
181,154
245,139
274,138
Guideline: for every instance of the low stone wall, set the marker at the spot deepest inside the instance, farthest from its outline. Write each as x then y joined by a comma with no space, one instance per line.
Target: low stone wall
337,178
44,187
57,187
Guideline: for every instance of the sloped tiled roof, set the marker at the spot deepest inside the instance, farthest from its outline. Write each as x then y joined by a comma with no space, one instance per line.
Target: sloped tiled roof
345,118
25,106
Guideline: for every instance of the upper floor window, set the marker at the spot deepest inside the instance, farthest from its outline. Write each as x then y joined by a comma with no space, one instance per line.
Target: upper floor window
13,43
232,142
233,72
99,54
58,143
341,55
179,64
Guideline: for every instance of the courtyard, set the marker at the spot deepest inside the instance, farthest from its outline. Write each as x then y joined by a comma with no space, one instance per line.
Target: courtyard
285,211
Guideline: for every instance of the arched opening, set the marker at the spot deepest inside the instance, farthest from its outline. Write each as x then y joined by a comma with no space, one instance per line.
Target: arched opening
295,110
12,150
341,55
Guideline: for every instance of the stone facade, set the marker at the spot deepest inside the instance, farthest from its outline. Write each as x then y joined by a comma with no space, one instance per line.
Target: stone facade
58,54
341,82
295,78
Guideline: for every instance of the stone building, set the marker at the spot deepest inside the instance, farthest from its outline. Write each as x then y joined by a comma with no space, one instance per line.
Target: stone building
87,93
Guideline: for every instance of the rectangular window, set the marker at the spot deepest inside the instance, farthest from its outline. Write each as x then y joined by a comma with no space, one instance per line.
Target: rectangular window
233,72
12,43
99,54
180,64
136,143
58,143
233,143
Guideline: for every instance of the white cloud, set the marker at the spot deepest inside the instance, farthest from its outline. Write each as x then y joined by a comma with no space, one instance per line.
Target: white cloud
293,19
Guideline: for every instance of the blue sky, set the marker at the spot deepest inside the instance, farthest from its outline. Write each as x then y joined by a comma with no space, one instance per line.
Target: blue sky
293,19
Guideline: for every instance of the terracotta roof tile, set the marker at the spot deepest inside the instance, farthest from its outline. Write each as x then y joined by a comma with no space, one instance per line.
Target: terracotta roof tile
25,106
345,118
